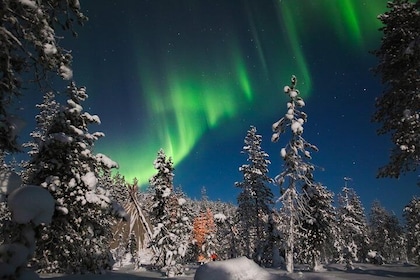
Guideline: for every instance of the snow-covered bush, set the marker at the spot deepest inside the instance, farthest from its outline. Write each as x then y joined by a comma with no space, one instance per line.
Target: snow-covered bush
30,206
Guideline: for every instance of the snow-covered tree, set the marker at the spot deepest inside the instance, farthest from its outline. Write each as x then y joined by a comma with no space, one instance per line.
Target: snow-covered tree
297,170
30,45
170,219
316,224
274,241
30,207
65,164
227,236
204,234
398,109
352,240
386,233
256,198
412,217
48,111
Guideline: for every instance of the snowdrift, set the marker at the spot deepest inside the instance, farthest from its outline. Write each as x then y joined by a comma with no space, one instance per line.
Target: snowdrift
234,269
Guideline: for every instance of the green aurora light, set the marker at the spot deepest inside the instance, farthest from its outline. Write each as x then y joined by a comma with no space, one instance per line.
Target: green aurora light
190,93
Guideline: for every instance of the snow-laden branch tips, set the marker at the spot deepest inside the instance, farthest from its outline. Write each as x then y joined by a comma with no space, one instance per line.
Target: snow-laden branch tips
293,118
297,146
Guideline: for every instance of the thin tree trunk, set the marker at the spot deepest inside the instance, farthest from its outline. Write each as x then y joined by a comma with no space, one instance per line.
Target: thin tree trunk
290,237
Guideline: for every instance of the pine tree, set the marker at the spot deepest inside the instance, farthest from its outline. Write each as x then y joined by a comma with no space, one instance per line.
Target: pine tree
386,234
297,168
256,199
64,163
398,109
29,32
226,237
412,217
317,223
170,219
353,237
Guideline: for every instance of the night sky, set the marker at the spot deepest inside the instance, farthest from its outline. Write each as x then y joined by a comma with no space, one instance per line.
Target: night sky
191,76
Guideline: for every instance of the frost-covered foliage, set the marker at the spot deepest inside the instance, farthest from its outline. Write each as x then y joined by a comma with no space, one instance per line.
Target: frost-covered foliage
29,44
64,163
352,240
170,219
225,238
386,234
412,217
48,111
317,224
398,109
204,234
297,170
256,198
30,206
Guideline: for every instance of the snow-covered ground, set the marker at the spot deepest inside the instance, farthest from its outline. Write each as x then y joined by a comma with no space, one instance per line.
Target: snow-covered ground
335,271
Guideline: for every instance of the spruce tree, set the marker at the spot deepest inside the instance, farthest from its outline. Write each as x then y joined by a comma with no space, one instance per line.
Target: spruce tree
65,164
297,170
386,234
317,224
353,237
170,219
412,218
398,109
226,237
256,198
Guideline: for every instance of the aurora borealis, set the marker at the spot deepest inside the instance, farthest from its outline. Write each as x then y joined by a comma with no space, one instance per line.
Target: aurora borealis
191,76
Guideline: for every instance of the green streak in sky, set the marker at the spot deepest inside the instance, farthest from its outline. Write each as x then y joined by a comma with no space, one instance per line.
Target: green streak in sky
256,38
242,74
184,100
351,19
293,37
183,94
